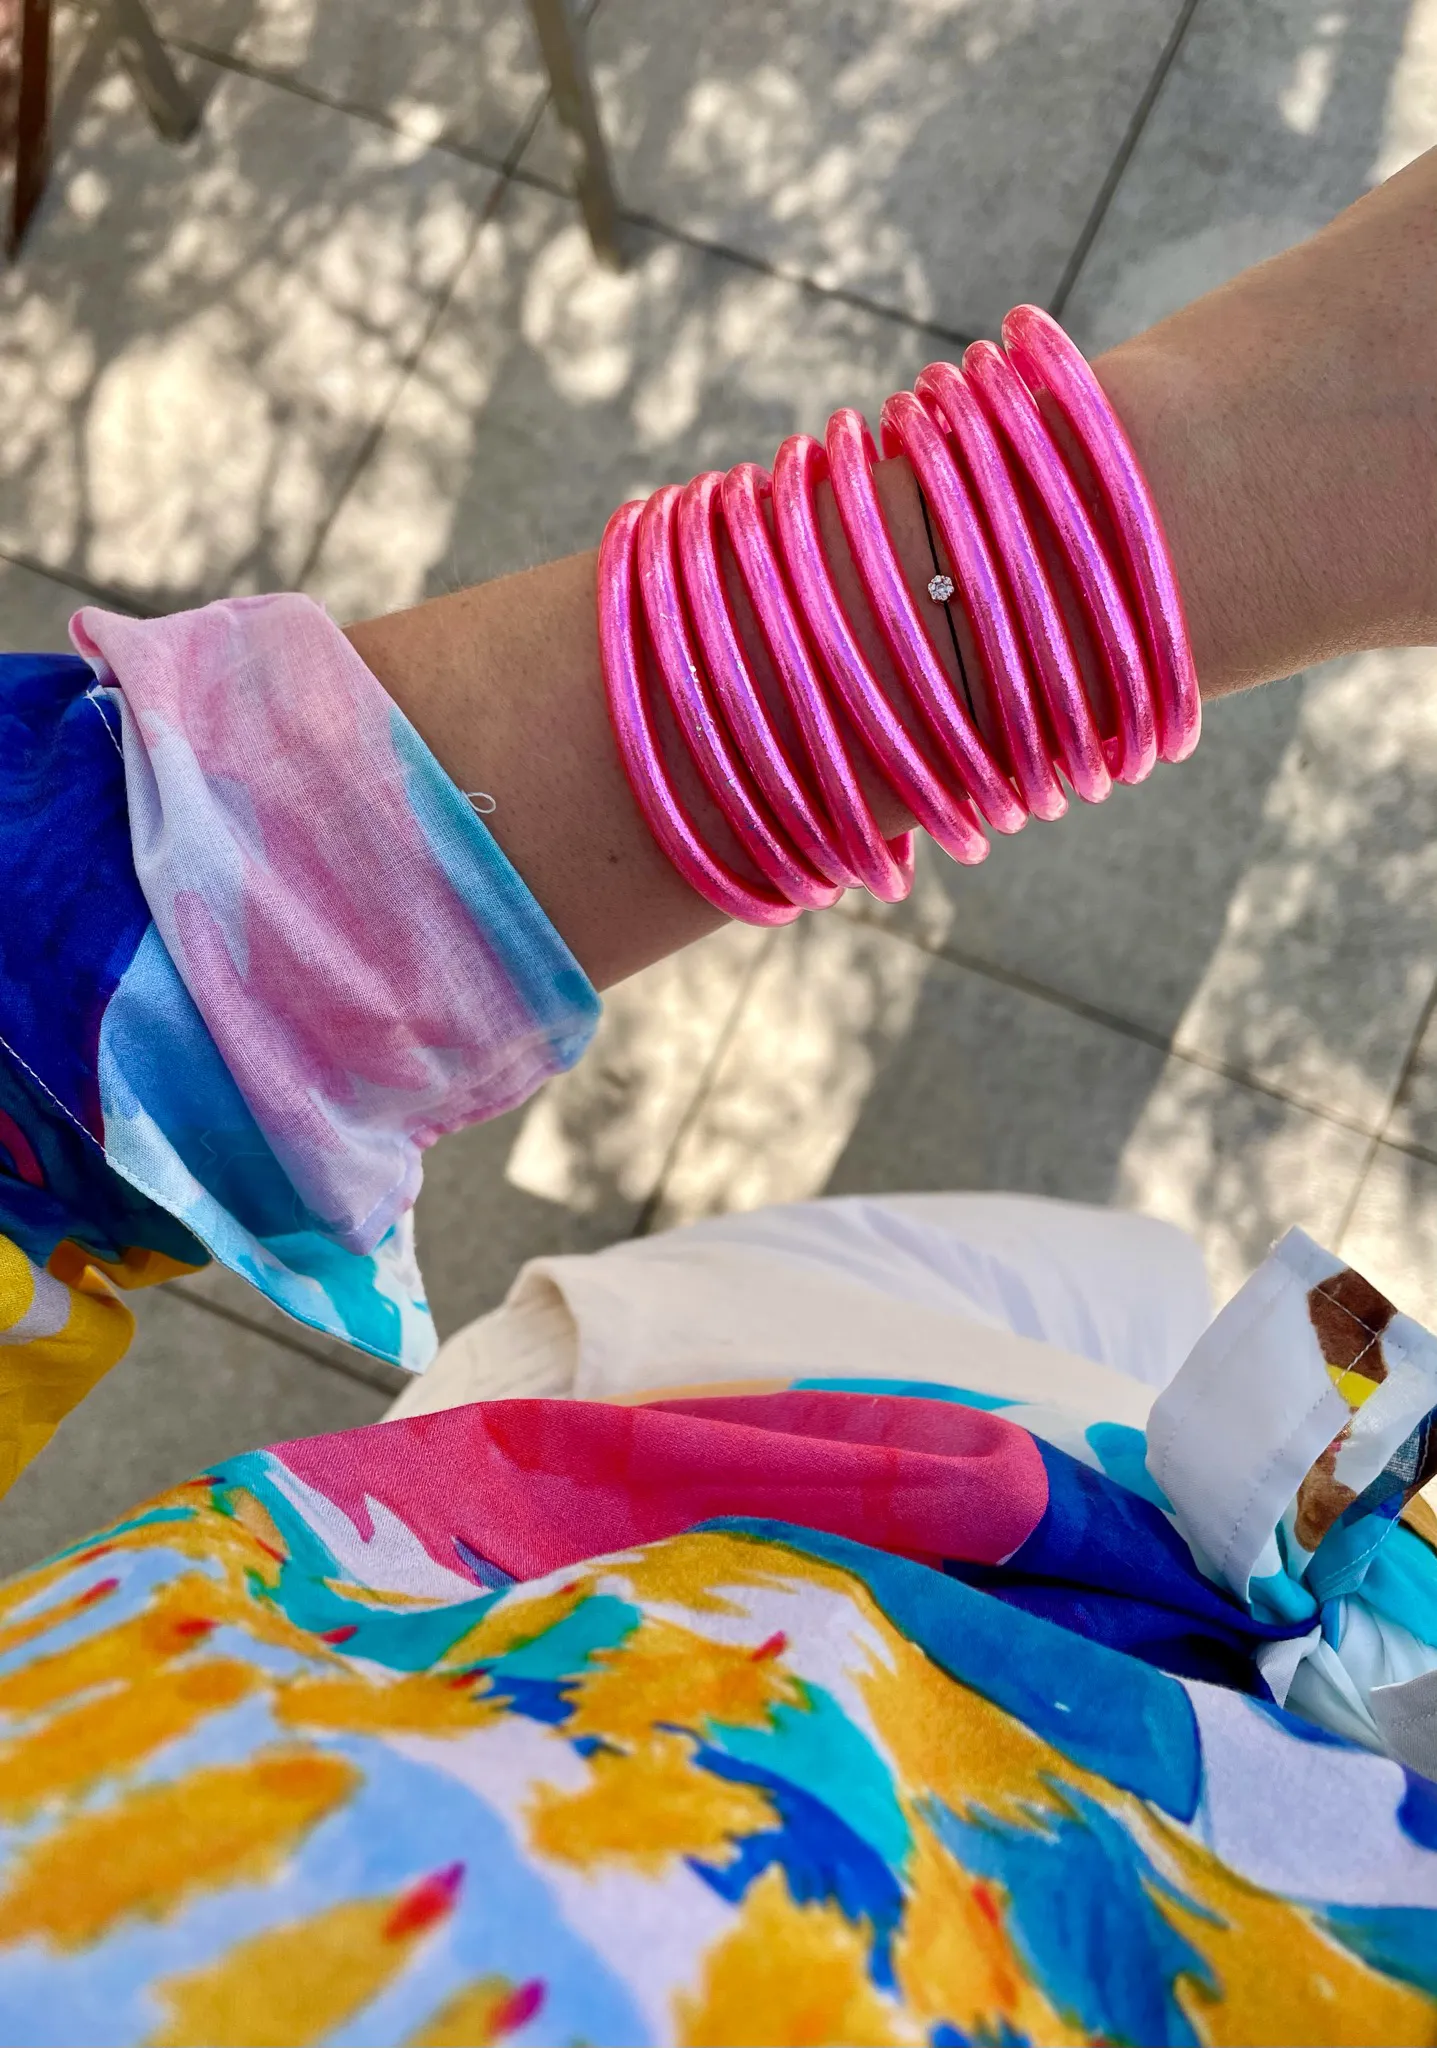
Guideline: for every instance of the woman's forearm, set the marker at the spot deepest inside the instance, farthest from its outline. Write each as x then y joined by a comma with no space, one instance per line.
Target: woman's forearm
1287,424
503,680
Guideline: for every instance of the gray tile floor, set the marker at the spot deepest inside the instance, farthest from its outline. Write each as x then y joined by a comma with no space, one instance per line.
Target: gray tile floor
351,337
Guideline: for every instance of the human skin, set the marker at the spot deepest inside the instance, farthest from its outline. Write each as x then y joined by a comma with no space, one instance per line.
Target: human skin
1287,423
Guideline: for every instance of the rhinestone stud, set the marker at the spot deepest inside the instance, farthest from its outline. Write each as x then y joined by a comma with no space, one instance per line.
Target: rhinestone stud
940,588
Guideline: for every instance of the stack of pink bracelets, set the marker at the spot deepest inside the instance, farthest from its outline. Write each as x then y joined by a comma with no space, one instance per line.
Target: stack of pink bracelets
798,811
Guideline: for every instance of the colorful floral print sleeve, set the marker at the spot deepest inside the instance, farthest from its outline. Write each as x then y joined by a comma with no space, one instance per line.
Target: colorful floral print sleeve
800,1713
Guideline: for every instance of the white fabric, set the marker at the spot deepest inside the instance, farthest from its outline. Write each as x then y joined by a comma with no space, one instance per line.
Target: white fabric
1253,1410
1254,1407
1007,1294
1277,1841
1338,1686
1406,1717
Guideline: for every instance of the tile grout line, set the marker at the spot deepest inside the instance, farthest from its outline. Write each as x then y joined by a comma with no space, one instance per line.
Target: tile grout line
375,117
1378,1138
69,579
528,128
340,1366
505,178
1128,1027
650,223
648,1214
511,170
1107,191
379,425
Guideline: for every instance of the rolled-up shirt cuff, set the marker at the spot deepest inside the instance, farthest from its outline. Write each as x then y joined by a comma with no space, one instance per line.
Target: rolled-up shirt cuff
339,965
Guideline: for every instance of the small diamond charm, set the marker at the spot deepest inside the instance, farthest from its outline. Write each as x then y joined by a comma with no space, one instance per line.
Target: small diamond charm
940,589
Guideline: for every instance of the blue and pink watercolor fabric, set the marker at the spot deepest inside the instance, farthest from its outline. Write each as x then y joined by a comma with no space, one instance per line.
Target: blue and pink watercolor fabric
258,952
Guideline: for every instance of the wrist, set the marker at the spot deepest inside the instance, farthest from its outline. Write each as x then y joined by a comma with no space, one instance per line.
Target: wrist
1288,428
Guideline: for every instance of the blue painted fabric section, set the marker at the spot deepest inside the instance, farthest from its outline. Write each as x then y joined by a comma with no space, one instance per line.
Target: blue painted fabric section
1399,1939
71,911
176,1124
72,917
558,995
1401,1584
67,1189
1417,1815
487,1574
815,1746
1085,1911
536,1679
1122,1452
1107,1564
1109,1713
1138,1628
822,1857
600,1622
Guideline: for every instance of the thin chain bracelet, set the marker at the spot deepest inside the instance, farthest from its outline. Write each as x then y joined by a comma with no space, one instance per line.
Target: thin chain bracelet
940,588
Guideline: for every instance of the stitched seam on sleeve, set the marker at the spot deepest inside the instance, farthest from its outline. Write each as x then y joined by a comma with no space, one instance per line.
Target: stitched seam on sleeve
65,1111
1265,1475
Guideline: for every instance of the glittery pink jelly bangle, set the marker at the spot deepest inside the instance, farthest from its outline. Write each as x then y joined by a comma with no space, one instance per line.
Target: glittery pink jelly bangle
622,656
1010,406
909,430
777,756
1048,644
943,811
966,759
743,708
884,867
1048,364
725,774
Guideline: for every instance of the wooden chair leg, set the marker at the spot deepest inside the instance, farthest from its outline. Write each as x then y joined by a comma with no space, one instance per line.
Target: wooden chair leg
25,83
174,110
562,43
25,124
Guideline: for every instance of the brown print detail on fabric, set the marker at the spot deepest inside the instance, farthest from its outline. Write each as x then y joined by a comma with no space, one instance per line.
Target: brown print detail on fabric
1321,1498
1348,1316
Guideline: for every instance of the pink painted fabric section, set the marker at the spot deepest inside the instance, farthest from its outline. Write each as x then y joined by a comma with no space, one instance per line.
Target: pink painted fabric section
536,1485
316,915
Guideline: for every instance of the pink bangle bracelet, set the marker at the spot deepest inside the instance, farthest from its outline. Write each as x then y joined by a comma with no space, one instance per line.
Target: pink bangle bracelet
851,456
944,813
909,430
1010,407
703,730
738,696
790,750
621,653
1048,363
884,867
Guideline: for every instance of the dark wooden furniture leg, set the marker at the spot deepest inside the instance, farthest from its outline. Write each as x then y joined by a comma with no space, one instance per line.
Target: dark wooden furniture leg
25,94
25,121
